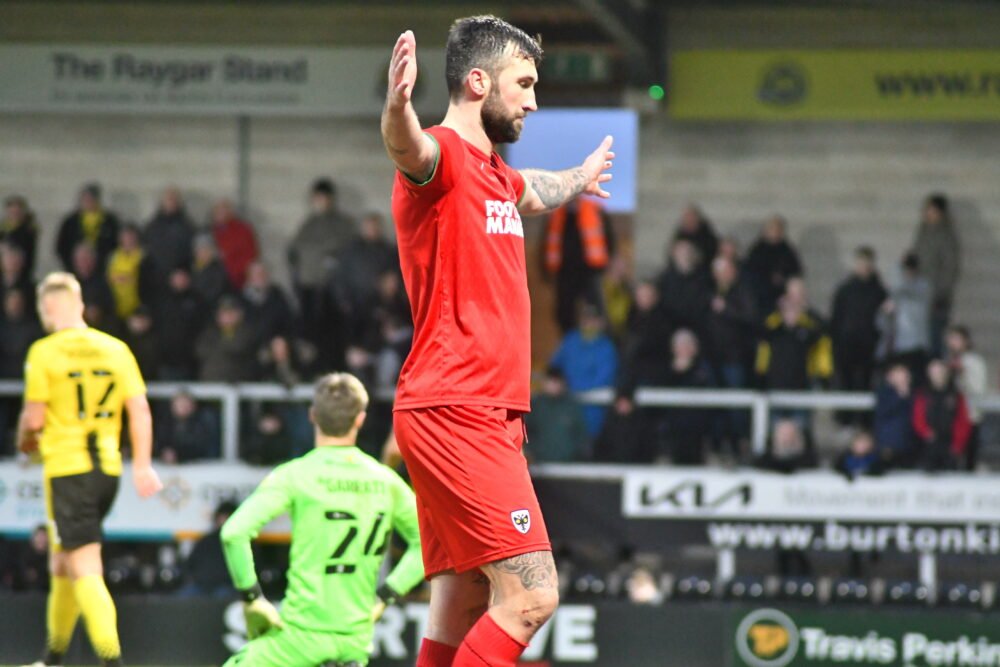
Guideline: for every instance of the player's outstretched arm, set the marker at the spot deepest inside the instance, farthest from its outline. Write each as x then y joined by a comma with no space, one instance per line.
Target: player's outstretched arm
413,152
547,190
140,425
269,500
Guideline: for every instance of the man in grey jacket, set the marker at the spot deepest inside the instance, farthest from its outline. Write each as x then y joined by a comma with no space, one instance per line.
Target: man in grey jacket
905,320
936,246
312,255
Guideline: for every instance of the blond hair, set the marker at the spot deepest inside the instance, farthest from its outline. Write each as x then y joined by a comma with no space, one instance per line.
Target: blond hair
339,399
59,281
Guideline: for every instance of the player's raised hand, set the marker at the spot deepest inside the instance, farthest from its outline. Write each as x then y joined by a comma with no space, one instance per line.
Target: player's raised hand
596,168
402,70
146,481
260,616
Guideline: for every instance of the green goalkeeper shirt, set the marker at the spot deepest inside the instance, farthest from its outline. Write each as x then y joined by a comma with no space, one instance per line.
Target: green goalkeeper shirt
344,506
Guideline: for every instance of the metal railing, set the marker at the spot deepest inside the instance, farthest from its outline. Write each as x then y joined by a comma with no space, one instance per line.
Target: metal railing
760,404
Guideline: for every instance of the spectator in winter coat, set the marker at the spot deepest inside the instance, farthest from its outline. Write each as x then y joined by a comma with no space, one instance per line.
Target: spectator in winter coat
93,283
143,340
189,433
677,433
169,234
90,223
693,226
905,320
616,291
236,241
968,367
853,326
180,315
14,276
936,246
556,424
941,420
794,351
265,305
588,359
208,275
19,328
790,449
649,327
892,425
684,288
731,324
131,275
227,351
771,262
205,568
314,252
19,229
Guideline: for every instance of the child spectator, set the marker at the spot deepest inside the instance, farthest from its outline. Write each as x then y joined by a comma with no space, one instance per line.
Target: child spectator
941,420
861,459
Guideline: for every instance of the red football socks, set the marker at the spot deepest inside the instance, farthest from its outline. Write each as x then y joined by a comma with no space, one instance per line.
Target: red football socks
488,645
435,654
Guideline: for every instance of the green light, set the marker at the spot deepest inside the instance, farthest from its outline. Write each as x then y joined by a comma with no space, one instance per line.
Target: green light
656,92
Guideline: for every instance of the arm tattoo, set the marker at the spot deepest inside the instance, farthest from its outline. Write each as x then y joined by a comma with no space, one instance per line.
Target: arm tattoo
536,570
555,188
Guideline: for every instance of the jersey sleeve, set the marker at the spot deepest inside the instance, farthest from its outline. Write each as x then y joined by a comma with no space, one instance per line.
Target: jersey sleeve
409,571
448,164
129,375
36,378
271,499
517,180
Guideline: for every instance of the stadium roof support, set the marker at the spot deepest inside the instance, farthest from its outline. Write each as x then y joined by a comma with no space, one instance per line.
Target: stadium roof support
637,27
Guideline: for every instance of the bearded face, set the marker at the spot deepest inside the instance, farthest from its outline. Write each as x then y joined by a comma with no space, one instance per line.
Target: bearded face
501,126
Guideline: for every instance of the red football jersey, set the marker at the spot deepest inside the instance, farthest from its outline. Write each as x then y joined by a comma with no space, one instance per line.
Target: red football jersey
461,249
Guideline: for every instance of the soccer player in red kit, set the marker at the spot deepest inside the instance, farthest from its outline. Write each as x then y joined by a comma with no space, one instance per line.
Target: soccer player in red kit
465,384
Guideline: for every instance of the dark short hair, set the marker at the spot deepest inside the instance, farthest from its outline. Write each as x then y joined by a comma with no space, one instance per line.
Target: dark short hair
939,201
911,261
92,189
324,186
337,402
865,252
554,373
15,200
962,331
481,42
225,508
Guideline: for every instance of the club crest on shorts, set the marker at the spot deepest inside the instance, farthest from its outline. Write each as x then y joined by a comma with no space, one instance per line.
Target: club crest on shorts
521,520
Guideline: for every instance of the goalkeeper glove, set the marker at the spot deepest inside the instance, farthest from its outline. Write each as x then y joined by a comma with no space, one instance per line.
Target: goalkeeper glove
384,597
260,614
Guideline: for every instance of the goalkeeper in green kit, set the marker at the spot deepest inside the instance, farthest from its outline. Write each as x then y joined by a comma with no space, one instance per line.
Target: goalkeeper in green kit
344,506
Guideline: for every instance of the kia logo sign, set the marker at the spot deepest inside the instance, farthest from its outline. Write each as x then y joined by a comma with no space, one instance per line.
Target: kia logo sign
686,497
696,496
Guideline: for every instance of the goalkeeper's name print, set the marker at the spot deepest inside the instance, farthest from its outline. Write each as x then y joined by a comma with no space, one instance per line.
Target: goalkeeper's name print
502,218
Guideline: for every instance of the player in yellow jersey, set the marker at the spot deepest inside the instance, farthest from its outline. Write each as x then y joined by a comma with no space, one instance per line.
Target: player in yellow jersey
77,383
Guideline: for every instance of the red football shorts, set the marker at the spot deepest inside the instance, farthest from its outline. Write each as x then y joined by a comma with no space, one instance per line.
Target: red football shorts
475,500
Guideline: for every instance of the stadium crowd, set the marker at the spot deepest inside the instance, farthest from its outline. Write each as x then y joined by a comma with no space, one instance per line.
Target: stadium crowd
197,303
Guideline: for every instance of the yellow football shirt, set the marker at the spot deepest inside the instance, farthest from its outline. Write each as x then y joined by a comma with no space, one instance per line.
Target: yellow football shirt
84,377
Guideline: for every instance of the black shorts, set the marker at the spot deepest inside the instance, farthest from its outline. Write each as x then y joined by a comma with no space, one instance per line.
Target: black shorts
77,505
